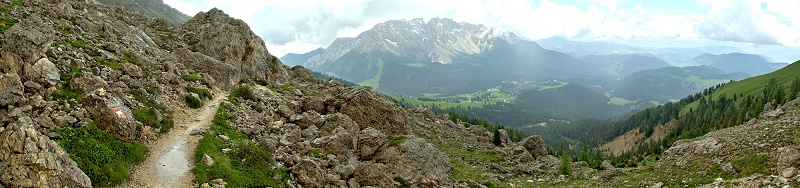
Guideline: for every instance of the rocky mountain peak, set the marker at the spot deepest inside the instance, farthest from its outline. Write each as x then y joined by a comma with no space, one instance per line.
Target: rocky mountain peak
438,40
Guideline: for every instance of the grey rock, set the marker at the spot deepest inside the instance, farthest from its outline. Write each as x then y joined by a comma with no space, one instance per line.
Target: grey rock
200,131
11,89
728,168
535,145
43,72
308,173
29,38
207,160
789,172
414,160
369,141
101,110
373,174
26,153
132,70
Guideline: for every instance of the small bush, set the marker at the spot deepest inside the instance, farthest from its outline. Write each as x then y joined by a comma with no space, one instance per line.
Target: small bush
752,164
193,102
103,158
396,140
204,93
317,154
262,82
192,77
139,96
245,92
150,90
147,116
108,63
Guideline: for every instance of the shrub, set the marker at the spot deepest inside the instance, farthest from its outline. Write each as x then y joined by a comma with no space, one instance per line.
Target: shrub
103,158
262,82
139,96
245,92
193,102
191,77
204,93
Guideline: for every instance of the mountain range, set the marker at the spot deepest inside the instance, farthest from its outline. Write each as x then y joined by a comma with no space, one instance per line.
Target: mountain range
441,59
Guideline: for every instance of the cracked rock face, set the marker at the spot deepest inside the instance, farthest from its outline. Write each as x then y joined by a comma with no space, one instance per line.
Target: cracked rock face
30,159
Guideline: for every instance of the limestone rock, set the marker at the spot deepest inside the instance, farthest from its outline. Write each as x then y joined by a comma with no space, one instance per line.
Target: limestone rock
369,141
207,160
30,159
371,109
308,173
102,110
373,174
29,38
11,89
414,160
43,72
535,145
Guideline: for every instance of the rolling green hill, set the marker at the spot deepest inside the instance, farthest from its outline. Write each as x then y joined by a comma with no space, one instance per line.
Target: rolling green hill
754,85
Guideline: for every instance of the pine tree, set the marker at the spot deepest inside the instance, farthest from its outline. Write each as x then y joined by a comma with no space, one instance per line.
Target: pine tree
565,163
584,154
496,140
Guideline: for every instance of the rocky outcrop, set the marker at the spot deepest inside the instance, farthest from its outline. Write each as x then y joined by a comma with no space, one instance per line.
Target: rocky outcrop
415,160
371,109
231,41
535,145
102,109
30,159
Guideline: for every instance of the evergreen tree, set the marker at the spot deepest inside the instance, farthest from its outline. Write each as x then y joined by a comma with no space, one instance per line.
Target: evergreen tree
795,89
565,163
584,154
496,140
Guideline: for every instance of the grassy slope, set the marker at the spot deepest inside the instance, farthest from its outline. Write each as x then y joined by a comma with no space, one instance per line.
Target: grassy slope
755,85
375,81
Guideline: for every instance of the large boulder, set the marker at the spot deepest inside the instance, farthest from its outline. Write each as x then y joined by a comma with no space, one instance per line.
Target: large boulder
535,145
308,173
226,75
369,141
231,41
371,109
11,89
373,174
415,160
102,110
29,38
30,159
43,72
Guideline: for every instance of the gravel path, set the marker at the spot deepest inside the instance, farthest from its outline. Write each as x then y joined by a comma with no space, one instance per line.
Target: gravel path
171,156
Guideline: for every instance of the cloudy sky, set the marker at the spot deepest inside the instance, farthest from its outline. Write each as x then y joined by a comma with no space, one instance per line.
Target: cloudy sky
298,26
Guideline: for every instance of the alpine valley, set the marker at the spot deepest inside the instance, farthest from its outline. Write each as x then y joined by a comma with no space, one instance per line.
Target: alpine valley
481,72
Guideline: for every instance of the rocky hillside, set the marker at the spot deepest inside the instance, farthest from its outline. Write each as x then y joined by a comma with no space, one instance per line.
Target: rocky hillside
150,8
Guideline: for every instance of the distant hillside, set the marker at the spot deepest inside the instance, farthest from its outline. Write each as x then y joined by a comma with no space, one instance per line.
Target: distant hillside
150,8
292,59
737,62
674,56
625,64
671,82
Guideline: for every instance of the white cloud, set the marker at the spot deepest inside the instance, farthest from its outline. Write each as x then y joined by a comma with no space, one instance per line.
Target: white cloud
755,21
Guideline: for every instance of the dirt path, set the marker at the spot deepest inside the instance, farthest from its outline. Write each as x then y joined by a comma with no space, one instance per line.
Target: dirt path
172,155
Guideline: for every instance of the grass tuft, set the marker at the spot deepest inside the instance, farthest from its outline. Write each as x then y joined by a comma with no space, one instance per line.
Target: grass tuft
396,140
203,93
103,158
